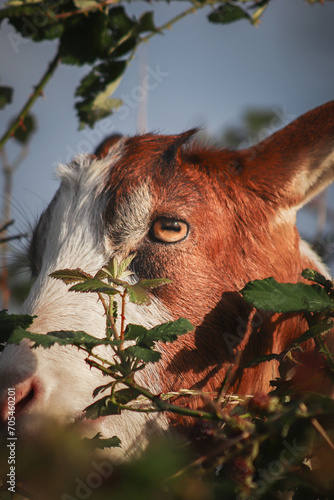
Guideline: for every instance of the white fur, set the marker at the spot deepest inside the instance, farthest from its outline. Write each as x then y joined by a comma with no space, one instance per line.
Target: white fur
77,239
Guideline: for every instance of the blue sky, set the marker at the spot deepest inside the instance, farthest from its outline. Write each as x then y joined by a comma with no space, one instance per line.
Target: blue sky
201,74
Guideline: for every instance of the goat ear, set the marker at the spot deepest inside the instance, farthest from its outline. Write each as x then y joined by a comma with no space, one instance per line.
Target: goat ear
173,149
297,162
103,148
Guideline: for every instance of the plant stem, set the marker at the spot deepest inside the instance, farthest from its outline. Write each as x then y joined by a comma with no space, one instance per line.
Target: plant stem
109,315
164,406
123,295
99,6
31,100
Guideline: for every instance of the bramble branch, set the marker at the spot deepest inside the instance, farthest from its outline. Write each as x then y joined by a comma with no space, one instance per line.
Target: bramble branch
31,100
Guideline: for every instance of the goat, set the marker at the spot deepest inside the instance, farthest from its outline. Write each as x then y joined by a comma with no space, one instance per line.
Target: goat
209,220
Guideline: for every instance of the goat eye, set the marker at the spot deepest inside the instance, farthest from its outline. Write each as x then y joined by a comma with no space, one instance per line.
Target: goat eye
169,230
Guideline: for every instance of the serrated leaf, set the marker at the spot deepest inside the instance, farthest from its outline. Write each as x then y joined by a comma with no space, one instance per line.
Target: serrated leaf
228,13
112,268
96,89
86,39
94,285
69,276
63,338
97,442
23,18
103,104
133,332
167,332
124,264
154,283
101,408
312,275
270,295
89,112
120,21
138,295
119,282
6,95
124,396
145,354
145,23
101,388
10,322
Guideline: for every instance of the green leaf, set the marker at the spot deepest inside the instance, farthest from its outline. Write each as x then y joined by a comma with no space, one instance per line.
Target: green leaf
75,338
86,38
97,442
103,105
153,283
111,269
101,408
96,89
313,332
124,396
101,388
312,275
228,13
167,332
25,129
143,353
94,285
6,95
37,21
85,4
145,23
134,332
108,405
69,276
135,292
270,295
262,359
120,21
124,264
10,322
138,295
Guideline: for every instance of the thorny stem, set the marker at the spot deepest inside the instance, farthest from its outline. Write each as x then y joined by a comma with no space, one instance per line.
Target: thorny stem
123,295
165,406
109,315
158,402
31,100
54,63
99,358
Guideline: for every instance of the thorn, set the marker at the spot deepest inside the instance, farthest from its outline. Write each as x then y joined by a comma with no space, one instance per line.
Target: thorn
22,125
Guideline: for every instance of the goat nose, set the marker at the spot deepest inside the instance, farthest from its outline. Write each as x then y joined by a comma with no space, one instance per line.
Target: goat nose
19,398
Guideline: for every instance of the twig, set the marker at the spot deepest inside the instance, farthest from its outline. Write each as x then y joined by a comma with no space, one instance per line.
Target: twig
91,8
123,295
31,100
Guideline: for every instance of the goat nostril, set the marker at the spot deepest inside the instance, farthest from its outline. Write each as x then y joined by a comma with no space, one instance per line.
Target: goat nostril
25,400
26,393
